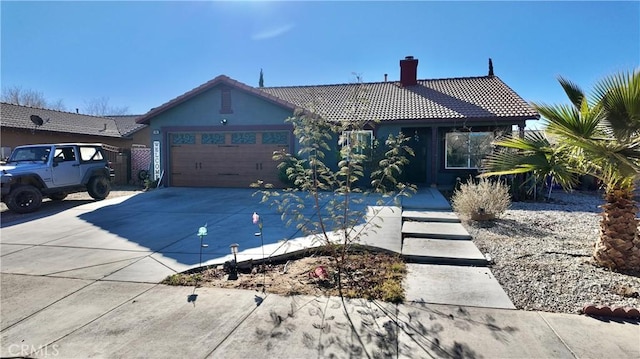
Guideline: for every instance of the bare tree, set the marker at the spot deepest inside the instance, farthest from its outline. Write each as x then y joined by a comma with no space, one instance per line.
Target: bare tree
26,97
100,106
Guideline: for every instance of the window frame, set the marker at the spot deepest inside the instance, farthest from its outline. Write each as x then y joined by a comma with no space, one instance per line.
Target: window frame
469,154
345,140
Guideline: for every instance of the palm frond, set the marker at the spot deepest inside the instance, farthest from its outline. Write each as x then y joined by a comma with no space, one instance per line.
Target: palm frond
532,154
619,96
569,122
573,91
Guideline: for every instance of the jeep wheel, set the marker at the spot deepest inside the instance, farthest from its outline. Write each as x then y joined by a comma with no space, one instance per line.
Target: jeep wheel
58,196
99,188
24,199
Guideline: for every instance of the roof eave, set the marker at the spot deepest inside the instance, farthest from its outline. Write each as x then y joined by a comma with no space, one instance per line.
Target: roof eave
144,119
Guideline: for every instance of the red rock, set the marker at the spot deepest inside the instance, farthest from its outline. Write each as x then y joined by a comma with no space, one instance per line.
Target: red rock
633,313
619,312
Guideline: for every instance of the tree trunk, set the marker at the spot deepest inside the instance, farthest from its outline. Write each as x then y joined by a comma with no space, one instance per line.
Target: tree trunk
618,247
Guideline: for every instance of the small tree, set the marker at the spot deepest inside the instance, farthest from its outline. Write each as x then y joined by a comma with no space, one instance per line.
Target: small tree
100,106
337,219
261,80
25,97
335,187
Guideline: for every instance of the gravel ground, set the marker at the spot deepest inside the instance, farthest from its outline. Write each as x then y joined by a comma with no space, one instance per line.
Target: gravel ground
542,254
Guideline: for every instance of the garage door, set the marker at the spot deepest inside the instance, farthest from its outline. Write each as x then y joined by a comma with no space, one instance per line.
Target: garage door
225,159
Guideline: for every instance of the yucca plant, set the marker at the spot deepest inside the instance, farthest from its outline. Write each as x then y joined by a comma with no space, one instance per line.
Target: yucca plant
598,136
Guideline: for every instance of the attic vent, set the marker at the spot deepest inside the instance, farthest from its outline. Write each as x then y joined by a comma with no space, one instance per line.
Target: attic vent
225,100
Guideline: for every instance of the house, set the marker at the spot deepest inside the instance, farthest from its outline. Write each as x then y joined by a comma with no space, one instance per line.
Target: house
118,133
223,133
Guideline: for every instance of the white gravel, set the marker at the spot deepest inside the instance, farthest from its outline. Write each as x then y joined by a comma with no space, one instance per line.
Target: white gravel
542,254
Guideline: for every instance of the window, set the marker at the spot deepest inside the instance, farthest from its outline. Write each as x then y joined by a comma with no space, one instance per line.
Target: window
90,154
465,150
357,142
35,154
65,154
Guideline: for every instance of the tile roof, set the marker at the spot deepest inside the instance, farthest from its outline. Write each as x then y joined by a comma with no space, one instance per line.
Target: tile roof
222,79
469,98
127,124
16,116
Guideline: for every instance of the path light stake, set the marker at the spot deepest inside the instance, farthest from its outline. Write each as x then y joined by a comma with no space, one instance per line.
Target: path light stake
201,233
257,220
234,271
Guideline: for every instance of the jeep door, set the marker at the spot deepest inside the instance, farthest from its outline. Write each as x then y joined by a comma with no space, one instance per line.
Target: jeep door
65,170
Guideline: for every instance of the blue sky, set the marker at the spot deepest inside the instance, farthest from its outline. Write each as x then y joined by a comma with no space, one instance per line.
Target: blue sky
142,54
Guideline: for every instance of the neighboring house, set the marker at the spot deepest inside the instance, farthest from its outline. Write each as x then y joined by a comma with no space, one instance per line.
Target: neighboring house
223,133
117,133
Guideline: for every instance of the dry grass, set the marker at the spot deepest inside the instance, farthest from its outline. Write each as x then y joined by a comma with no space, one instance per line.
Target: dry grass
481,200
369,275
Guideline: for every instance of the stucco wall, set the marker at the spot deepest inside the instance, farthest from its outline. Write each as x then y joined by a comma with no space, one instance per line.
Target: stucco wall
202,113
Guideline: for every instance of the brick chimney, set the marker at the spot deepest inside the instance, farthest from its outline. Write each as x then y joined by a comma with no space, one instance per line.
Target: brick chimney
409,71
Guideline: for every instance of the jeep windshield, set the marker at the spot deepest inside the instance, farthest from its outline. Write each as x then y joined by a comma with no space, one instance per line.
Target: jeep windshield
30,154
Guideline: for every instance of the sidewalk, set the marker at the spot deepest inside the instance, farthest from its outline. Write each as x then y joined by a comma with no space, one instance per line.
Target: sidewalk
115,319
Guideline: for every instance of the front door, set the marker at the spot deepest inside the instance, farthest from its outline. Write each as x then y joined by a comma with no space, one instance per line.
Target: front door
66,166
416,170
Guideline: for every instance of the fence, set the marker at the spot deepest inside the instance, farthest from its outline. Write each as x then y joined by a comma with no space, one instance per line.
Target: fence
119,160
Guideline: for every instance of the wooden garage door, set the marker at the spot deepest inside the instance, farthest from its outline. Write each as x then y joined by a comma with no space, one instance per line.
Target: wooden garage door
225,159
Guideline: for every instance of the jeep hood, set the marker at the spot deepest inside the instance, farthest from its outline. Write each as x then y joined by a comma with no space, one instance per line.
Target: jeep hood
16,168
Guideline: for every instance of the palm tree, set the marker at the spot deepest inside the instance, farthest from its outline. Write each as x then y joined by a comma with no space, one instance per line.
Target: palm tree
598,136
534,155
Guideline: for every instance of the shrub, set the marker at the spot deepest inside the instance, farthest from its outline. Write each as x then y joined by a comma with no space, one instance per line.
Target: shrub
481,201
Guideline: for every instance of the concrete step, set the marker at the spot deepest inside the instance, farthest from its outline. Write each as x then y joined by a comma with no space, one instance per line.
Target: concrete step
435,230
430,216
442,251
427,199
454,285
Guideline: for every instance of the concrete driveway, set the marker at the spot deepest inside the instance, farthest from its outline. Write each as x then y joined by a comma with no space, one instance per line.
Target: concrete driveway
147,236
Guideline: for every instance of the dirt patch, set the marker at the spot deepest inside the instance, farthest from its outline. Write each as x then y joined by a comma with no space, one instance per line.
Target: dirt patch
369,275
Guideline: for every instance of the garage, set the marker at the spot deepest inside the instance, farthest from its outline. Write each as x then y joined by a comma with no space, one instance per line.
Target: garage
225,159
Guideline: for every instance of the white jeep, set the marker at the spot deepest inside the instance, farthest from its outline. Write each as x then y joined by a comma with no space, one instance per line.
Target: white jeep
53,170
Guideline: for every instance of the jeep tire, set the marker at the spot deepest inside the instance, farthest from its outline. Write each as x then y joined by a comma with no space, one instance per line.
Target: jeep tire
24,199
57,196
99,187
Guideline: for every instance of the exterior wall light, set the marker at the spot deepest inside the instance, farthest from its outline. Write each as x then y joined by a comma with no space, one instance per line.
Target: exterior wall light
223,121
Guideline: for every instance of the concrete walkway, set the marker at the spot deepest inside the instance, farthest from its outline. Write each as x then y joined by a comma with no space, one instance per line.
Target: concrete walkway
83,283
446,267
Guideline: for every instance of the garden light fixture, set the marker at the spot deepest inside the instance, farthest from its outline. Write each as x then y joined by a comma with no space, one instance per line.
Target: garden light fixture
202,231
234,269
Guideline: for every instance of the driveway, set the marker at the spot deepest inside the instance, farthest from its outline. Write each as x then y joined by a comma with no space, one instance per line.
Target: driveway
147,236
